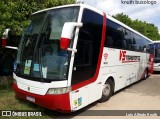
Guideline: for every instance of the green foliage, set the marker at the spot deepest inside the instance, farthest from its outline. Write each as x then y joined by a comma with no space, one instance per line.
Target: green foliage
51,3
123,18
147,29
5,82
15,13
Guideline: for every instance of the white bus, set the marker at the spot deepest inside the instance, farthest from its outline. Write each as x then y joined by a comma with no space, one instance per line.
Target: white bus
71,56
155,49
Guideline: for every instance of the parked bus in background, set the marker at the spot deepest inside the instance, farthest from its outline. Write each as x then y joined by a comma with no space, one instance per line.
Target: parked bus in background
71,56
4,37
155,49
9,44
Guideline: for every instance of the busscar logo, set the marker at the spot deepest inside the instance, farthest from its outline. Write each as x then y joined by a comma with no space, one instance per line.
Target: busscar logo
105,56
128,58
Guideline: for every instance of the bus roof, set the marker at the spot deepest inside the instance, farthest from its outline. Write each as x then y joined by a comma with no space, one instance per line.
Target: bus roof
158,41
100,12
47,9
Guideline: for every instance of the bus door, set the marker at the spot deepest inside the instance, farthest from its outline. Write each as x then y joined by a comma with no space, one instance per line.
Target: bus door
86,60
150,57
157,53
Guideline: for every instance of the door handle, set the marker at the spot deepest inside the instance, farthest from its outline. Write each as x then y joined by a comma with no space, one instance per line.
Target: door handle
76,91
99,83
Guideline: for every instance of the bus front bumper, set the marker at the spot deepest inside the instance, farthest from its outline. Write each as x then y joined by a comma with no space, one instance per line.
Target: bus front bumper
54,102
156,68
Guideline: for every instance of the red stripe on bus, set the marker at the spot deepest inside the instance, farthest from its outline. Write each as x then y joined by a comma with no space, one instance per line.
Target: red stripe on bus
151,64
93,79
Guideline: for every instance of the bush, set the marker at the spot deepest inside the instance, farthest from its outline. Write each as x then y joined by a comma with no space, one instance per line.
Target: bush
6,82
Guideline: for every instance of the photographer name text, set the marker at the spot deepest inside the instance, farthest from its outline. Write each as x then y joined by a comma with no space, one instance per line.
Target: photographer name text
145,2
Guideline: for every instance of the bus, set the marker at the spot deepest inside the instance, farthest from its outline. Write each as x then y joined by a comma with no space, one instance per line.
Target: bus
155,49
71,56
8,51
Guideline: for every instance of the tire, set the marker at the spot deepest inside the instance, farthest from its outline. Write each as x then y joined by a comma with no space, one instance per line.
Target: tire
146,74
107,91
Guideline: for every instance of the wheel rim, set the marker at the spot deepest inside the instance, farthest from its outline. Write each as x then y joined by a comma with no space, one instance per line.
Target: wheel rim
106,89
145,76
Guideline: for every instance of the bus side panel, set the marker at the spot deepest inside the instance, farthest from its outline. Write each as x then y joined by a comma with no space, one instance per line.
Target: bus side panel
125,71
79,98
111,66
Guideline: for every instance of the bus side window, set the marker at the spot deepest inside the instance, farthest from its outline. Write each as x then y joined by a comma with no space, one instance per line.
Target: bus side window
114,35
84,46
110,41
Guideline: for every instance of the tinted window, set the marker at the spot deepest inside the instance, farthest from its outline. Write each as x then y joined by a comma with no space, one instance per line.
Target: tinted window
150,48
129,40
122,38
114,35
138,43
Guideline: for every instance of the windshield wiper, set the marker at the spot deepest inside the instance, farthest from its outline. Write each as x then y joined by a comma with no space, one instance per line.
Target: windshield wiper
40,63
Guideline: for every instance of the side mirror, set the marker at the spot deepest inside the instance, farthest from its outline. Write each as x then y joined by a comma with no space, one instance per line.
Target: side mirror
10,47
67,32
4,38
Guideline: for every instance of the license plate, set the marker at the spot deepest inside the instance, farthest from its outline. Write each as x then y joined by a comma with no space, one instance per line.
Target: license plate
30,98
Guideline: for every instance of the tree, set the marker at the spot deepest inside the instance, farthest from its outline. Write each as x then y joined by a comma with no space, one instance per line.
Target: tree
123,18
15,13
52,3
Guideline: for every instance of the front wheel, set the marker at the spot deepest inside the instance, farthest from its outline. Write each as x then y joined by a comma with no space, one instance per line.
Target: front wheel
107,91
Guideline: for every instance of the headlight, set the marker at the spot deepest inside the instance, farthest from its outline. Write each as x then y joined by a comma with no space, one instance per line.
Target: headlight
59,90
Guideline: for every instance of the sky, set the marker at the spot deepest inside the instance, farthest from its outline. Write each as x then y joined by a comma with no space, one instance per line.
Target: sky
144,12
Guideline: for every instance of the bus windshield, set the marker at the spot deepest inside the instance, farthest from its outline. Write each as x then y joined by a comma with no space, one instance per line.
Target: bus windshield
157,55
155,49
39,55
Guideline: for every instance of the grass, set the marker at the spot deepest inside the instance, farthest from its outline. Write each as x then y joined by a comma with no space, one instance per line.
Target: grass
6,82
8,101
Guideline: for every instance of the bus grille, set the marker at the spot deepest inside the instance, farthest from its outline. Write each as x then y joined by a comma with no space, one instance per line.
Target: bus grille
32,89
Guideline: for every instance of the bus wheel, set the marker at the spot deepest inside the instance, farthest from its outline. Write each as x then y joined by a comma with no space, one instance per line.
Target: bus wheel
146,74
107,91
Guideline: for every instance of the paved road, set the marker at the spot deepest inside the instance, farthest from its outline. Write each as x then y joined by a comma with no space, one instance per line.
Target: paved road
144,95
